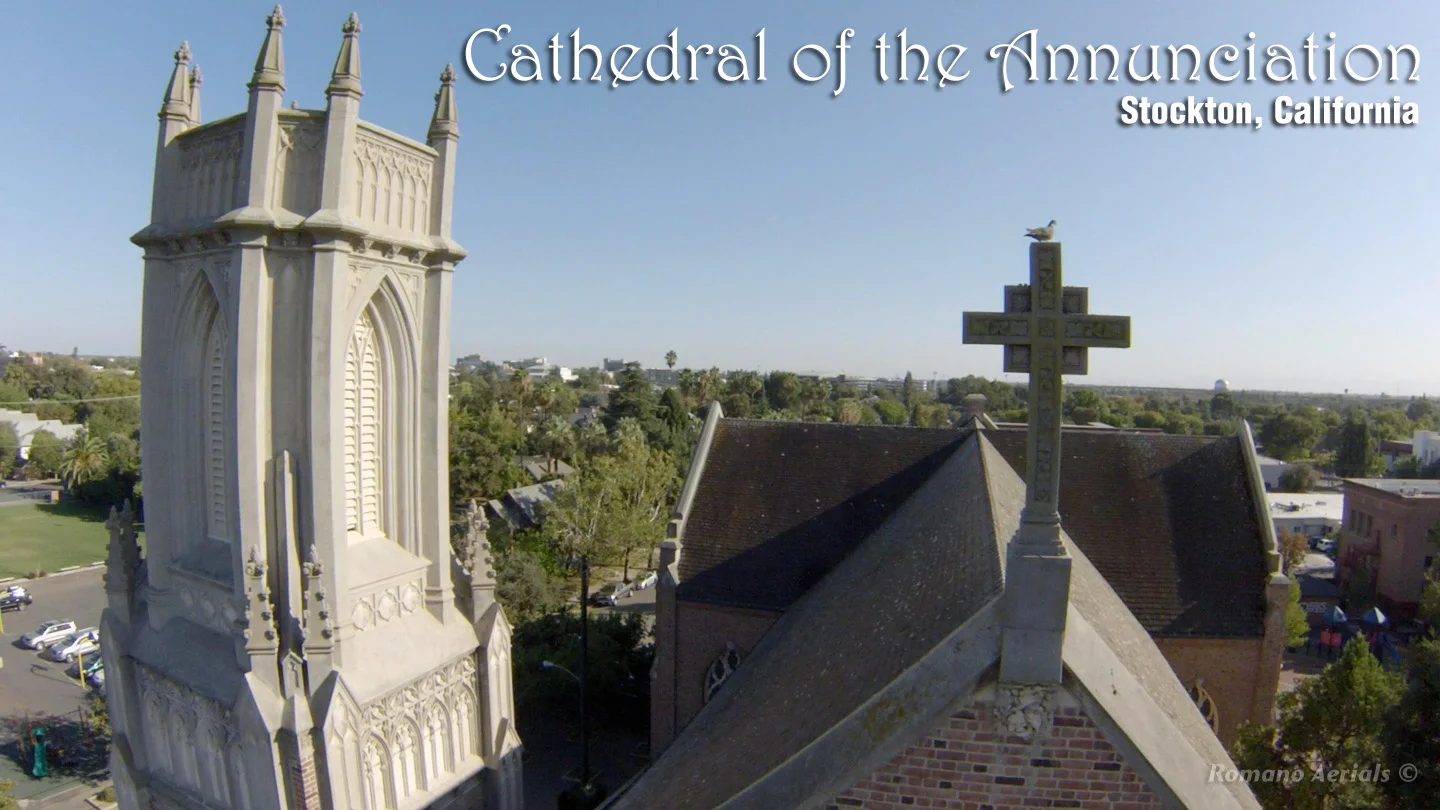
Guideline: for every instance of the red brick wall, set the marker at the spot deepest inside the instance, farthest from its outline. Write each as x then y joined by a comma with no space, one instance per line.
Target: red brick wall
702,635
1231,669
968,764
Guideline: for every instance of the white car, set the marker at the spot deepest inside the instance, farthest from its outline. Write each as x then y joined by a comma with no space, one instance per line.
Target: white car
85,642
48,633
646,581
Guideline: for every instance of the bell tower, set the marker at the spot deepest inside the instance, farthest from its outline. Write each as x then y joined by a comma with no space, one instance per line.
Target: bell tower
298,634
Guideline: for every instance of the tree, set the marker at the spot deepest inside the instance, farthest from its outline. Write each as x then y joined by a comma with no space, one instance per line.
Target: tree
1224,406
1297,624
1330,722
7,799
47,455
892,412
1291,435
86,459
1355,457
523,586
1299,478
1411,737
556,440
9,449
670,358
635,398
643,480
483,446
1293,548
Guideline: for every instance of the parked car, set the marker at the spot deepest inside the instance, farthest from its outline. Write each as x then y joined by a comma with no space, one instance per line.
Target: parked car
1326,546
647,581
14,598
85,642
93,664
48,633
608,594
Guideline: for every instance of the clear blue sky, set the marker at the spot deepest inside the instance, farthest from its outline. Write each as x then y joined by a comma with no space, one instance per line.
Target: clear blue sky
773,225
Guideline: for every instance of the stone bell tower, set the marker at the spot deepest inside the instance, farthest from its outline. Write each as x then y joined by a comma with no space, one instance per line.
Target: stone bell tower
297,634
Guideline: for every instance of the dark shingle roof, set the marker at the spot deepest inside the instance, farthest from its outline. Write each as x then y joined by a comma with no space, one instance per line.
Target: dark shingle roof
780,504
880,617
930,568
1169,521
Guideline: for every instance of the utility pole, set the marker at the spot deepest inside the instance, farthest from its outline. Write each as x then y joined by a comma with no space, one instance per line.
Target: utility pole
584,693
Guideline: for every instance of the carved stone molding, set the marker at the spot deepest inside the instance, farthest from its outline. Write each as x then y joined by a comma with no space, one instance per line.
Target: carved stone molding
1025,710
388,604
207,608
409,283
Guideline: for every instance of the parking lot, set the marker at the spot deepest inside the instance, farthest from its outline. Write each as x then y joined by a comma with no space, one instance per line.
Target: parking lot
32,687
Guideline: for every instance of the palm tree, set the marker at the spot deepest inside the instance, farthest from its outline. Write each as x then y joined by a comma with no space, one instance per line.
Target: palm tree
670,359
87,459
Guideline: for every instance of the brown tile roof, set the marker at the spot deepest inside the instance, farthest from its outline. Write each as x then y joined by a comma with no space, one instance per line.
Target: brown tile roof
1168,521
780,504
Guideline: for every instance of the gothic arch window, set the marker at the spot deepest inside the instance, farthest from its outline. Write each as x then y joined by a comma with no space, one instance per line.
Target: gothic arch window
377,776
437,743
363,428
213,400
407,775
1206,704
721,670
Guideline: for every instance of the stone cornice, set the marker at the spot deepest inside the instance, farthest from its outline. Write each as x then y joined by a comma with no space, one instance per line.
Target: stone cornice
247,226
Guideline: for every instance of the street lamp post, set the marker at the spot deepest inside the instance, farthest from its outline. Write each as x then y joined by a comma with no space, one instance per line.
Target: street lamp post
586,794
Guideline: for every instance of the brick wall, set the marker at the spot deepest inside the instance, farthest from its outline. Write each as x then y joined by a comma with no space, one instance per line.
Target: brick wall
703,633
968,764
1231,669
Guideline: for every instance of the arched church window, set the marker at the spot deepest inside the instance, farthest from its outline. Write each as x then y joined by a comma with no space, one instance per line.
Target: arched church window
723,667
1206,704
363,428
214,403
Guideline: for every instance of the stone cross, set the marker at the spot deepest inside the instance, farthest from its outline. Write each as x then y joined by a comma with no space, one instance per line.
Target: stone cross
1046,331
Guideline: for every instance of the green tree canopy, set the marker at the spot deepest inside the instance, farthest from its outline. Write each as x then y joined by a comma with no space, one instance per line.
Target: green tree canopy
47,456
1330,721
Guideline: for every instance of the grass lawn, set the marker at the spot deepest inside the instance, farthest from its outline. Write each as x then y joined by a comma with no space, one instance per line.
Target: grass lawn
48,537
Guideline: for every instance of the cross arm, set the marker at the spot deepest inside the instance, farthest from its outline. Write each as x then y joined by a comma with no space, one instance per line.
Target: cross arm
1096,331
995,328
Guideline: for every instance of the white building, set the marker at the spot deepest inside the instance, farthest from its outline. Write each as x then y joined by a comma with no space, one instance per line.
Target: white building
27,425
1311,514
299,634
1426,447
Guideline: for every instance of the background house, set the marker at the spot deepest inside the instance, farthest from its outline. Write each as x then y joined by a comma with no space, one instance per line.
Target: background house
27,425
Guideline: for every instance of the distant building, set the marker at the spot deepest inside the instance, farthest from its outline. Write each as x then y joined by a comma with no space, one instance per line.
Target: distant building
1394,452
27,425
1271,470
1385,541
612,366
520,508
1318,593
1425,446
1311,514
867,384
543,468
1221,385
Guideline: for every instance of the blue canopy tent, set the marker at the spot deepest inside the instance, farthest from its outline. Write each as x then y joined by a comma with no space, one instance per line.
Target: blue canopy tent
1335,616
1374,618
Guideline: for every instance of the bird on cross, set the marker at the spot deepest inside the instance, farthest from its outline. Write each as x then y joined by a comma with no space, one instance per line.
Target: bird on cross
1044,234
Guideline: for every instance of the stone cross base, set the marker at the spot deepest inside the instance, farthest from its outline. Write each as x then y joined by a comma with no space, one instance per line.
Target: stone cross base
1034,608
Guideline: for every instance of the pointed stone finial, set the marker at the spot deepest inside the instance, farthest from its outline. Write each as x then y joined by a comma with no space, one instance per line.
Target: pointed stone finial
196,79
345,79
177,93
444,123
270,64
